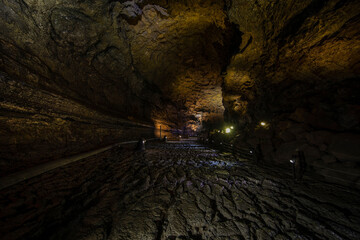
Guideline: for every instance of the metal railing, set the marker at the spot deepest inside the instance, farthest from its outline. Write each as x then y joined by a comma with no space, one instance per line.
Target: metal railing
236,150
17,177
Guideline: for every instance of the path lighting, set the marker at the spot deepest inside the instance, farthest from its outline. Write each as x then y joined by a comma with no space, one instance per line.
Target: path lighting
227,130
140,146
231,127
263,124
292,161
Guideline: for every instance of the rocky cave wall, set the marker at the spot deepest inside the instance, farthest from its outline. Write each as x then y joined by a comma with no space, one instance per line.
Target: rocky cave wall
39,126
74,73
136,59
298,70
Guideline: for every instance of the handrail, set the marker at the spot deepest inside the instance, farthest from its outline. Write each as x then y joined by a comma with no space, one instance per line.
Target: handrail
255,154
17,177
237,151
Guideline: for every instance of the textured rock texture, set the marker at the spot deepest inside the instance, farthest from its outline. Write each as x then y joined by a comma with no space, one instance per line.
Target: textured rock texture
75,68
175,191
132,58
39,126
293,64
298,69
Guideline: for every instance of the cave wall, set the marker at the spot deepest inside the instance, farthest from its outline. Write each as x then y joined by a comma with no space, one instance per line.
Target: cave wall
104,63
71,48
39,126
146,60
77,75
297,69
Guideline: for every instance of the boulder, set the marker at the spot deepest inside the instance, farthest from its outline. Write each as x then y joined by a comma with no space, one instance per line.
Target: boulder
316,118
311,153
328,158
345,146
286,136
319,138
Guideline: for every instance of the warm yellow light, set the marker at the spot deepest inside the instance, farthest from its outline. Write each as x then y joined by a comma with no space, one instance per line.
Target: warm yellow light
263,123
227,130
231,127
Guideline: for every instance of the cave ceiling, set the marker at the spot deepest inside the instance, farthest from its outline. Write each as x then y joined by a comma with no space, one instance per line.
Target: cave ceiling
178,62
293,54
147,60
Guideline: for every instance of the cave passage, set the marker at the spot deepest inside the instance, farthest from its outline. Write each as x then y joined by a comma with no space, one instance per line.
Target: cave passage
176,190
274,82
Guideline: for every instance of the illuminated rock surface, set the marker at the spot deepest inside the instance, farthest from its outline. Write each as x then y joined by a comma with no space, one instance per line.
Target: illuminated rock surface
167,193
79,75
141,61
298,69
179,63
134,58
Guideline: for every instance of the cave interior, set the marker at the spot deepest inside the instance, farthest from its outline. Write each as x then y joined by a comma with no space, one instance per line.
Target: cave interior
91,81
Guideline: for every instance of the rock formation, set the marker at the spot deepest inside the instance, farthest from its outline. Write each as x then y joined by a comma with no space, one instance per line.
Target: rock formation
141,61
291,64
119,56
297,69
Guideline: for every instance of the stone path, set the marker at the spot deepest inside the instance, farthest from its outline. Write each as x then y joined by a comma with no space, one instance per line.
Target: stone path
176,191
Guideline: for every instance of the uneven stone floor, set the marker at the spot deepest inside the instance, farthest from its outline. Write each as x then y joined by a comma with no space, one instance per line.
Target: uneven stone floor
176,191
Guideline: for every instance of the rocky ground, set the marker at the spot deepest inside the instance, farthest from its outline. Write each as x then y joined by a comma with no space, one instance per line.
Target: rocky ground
176,190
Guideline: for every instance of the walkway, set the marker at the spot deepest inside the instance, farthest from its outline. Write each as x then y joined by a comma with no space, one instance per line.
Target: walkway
175,191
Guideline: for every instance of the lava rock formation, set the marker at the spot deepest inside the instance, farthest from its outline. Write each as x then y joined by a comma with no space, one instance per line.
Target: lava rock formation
78,74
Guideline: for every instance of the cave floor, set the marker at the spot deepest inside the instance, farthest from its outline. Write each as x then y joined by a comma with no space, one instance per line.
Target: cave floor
179,190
